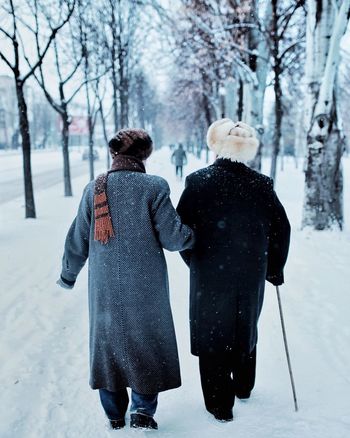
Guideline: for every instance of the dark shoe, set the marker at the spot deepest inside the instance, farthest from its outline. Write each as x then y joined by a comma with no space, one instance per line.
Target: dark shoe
243,395
222,414
117,424
142,421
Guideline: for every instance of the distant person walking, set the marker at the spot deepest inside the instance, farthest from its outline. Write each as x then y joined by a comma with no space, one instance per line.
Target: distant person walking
179,159
124,221
242,238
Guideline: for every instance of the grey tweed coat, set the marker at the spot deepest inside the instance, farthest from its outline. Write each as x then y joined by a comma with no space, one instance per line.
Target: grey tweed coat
132,337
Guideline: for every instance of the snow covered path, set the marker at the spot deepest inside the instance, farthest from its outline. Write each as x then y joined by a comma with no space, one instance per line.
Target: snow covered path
44,335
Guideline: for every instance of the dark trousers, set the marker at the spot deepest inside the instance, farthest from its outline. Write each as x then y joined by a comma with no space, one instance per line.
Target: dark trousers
115,404
225,375
178,171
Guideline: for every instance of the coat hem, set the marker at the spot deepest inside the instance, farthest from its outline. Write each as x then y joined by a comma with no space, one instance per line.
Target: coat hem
135,388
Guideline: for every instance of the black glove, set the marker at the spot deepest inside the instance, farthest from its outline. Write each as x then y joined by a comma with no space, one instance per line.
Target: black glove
276,280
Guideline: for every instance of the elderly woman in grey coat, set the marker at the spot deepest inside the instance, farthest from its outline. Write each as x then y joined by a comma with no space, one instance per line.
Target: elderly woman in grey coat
124,221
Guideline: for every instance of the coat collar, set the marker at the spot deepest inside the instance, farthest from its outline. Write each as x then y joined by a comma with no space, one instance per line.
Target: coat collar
233,166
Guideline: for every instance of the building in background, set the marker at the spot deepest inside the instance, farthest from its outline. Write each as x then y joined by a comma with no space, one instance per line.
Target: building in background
9,134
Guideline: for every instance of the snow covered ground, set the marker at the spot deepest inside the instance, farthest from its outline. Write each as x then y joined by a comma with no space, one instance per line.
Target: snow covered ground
44,331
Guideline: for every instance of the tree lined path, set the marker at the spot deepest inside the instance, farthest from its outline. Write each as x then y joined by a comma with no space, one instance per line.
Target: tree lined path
44,334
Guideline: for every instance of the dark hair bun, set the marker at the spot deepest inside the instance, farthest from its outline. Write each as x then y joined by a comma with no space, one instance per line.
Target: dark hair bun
134,142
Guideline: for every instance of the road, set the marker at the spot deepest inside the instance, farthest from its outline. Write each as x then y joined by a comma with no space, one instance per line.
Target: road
47,169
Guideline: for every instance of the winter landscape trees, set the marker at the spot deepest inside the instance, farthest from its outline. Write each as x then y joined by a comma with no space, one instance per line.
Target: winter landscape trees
72,73
175,67
23,19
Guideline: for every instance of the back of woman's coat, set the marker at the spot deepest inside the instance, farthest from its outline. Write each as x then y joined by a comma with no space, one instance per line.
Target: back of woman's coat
132,338
242,238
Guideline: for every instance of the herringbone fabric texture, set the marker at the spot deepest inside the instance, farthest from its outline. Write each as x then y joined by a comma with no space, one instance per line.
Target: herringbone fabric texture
132,337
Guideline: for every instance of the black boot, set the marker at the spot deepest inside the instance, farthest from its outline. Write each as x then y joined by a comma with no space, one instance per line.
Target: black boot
243,395
221,414
142,421
117,424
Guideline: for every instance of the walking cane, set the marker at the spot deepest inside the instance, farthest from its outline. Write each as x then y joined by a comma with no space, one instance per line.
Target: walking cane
286,348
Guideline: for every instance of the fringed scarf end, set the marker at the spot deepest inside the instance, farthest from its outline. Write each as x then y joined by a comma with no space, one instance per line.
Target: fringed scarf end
103,229
103,222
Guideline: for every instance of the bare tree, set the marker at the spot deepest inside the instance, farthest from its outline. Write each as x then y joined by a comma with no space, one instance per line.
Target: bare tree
122,36
108,18
14,35
344,94
252,86
327,21
62,103
286,37
86,37
221,52
100,91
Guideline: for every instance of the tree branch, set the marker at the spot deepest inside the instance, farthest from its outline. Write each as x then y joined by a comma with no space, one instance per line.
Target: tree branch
69,77
84,83
6,33
7,62
51,38
289,16
283,54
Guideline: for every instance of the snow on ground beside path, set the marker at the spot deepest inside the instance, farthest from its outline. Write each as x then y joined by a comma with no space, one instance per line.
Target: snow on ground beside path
44,335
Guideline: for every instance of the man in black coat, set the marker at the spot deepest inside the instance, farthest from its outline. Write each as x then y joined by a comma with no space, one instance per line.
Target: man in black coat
242,238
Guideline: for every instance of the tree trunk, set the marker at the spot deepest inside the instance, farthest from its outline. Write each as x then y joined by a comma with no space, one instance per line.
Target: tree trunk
113,27
323,202
123,79
256,162
231,98
247,102
91,147
27,169
278,123
277,91
124,102
260,66
323,205
90,122
104,129
208,119
115,98
240,101
65,152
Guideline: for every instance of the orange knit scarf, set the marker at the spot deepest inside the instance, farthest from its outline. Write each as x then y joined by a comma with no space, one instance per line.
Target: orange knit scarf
103,221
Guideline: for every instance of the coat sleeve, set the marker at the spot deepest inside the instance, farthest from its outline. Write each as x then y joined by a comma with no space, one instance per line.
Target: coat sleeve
76,248
172,233
185,210
279,238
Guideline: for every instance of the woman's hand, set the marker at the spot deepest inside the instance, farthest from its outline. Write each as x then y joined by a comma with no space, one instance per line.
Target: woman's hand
66,284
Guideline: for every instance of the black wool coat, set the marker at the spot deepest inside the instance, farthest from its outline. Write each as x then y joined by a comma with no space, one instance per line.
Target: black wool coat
242,238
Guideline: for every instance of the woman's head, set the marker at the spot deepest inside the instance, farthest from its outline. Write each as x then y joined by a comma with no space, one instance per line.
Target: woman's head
134,142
